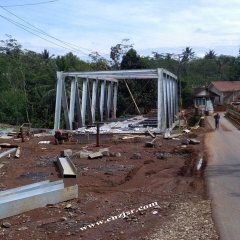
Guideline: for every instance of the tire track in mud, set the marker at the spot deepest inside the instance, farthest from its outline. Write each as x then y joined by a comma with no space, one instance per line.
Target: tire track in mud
112,183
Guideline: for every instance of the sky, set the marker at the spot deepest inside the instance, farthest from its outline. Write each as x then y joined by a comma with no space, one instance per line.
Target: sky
83,27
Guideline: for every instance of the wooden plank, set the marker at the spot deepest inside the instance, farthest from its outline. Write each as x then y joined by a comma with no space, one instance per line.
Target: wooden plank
7,152
17,155
151,134
8,145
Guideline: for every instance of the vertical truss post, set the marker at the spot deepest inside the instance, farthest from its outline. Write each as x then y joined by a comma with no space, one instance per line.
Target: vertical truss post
58,100
164,122
65,105
169,120
176,96
171,100
94,98
89,104
109,99
160,98
84,100
102,98
72,102
115,91
78,105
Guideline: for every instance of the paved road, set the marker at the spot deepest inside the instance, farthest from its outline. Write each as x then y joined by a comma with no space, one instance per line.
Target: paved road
223,177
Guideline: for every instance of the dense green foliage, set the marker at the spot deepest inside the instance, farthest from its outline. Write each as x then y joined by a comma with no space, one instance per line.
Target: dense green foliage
28,79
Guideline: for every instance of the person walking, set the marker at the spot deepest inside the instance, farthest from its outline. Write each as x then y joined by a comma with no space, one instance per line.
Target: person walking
217,117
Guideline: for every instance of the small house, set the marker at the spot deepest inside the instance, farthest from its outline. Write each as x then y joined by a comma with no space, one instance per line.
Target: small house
228,91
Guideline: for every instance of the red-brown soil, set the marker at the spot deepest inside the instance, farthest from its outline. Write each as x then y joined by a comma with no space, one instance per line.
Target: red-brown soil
107,187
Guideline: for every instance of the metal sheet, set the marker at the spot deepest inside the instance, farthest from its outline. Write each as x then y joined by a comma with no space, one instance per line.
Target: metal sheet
66,167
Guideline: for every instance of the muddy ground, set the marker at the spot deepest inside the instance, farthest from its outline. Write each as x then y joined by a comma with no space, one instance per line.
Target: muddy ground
165,174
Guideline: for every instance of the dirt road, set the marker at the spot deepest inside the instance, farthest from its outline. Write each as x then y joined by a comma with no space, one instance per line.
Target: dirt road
223,177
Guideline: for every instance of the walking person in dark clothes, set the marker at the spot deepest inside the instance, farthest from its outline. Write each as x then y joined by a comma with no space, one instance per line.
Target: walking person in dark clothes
217,117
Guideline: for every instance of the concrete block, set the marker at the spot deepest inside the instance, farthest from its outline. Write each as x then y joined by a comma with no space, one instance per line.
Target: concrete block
83,154
66,152
95,155
115,154
23,199
104,151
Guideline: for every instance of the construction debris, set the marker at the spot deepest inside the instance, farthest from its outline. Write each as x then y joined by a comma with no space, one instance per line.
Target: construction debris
95,155
186,131
7,152
17,155
36,195
104,151
66,152
194,141
8,145
150,144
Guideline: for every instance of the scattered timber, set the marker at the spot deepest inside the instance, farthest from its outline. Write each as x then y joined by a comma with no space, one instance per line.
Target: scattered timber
17,155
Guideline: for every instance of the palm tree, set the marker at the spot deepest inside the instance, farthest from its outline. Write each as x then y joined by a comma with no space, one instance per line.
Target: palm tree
184,58
187,54
210,55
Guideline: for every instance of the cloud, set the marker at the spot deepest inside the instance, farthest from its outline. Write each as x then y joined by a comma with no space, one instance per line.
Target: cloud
96,25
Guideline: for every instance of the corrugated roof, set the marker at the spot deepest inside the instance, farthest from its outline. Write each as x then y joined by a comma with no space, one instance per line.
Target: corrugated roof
226,86
203,92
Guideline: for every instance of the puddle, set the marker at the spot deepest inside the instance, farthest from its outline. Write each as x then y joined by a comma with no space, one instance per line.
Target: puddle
113,168
46,162
36,176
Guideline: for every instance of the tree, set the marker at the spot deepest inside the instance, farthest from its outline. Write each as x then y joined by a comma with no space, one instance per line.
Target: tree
99,62
131,60
210,55
118,51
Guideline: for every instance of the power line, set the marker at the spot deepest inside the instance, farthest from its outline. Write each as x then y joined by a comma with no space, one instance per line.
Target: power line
17,24
29,4
46,34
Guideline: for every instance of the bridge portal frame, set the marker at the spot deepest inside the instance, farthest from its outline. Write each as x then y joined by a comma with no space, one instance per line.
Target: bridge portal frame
105,101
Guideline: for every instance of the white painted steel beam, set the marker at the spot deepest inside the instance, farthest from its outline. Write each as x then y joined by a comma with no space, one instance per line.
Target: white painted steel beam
164,119
65,106
171,100
169,121
94,98
58,100
78,106
160,99
102,98
115,92
72,101
109,99
84,100
89,104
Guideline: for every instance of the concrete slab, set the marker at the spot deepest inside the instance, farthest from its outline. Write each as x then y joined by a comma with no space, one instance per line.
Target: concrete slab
95,155
52,193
